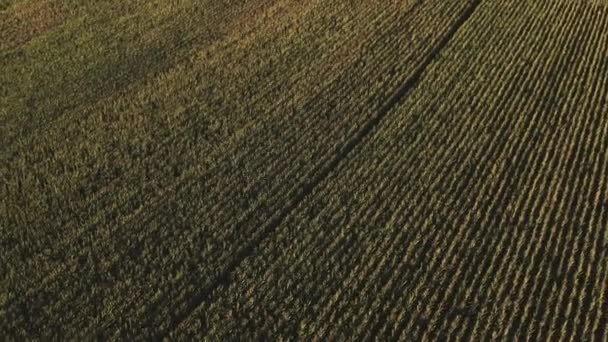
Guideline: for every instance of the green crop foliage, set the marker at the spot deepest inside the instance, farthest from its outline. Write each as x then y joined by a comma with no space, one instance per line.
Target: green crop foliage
315,170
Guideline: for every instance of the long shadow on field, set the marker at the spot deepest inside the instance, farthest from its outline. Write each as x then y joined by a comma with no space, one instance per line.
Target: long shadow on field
408,84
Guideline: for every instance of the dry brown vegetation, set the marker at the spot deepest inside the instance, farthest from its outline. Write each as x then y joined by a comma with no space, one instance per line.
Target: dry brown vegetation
27,20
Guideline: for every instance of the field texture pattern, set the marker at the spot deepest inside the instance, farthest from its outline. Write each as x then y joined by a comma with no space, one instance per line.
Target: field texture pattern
317,170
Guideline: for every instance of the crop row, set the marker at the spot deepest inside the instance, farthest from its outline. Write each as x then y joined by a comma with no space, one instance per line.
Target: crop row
475,210
187,228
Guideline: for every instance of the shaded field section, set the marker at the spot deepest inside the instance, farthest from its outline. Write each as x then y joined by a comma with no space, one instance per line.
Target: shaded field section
316,170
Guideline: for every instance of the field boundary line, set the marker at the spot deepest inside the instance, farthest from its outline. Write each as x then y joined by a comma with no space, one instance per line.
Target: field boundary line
307,187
